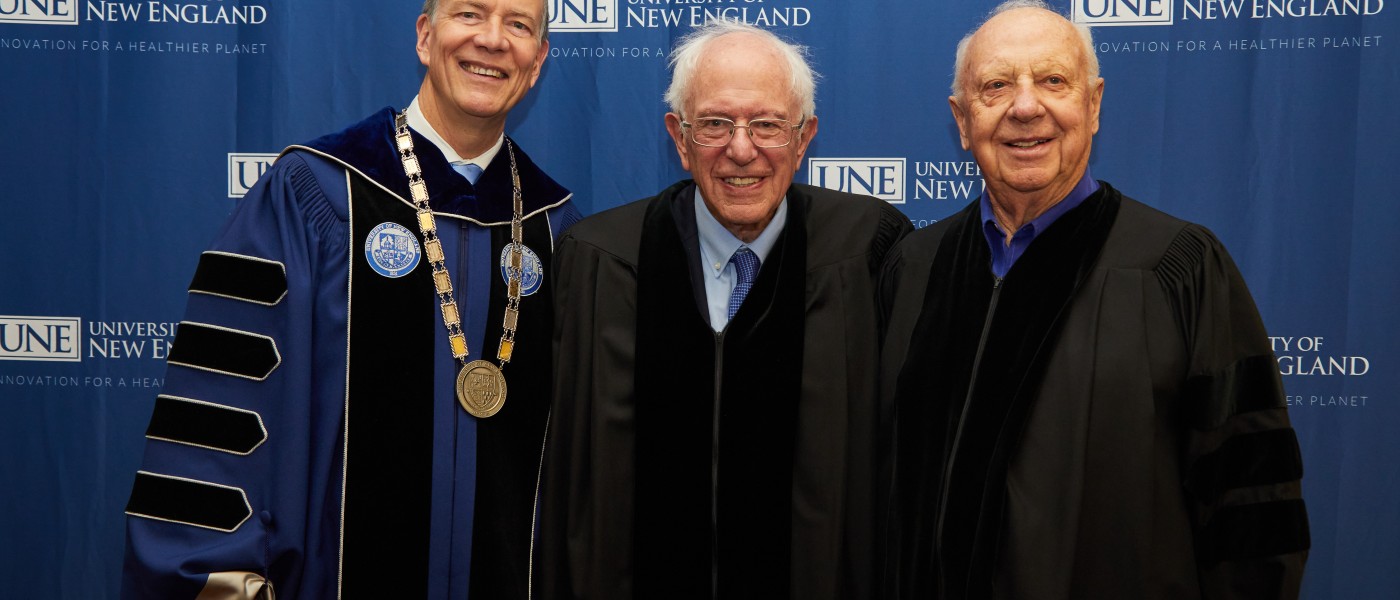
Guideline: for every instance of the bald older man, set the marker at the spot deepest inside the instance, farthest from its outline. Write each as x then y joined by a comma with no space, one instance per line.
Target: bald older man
1086,404
713,425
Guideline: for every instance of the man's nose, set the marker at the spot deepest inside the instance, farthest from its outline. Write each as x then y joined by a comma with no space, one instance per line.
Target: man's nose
741,148
1026,104
492,35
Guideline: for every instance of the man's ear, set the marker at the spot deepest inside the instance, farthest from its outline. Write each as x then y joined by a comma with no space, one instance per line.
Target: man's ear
425,29
1095,102
539,62
809,131
673,126
958,114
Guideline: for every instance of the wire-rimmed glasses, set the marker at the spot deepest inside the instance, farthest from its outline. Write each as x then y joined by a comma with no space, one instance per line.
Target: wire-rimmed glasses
715,132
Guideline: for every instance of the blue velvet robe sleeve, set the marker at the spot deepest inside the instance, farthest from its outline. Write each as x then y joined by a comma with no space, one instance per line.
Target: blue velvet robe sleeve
296,217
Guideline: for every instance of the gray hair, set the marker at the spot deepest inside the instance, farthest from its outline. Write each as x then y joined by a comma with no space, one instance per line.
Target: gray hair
1085,35
430,9
802,80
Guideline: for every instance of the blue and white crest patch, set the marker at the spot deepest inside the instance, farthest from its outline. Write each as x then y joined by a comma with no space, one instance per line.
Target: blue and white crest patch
392,250
531,270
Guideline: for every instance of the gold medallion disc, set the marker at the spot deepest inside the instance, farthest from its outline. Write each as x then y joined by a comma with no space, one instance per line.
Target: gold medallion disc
481,388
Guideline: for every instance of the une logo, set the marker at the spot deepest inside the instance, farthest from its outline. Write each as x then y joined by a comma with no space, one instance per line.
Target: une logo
882,178
40,338
581,15
42,12
244,170
1123,12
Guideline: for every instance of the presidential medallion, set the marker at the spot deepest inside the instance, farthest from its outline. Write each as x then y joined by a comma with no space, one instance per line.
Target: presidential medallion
481,388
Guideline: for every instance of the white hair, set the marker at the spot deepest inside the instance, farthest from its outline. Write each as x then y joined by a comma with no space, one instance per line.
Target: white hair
802,80
1086,36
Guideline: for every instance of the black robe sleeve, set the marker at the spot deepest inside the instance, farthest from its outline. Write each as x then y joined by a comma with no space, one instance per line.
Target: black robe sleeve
1241,463
587,481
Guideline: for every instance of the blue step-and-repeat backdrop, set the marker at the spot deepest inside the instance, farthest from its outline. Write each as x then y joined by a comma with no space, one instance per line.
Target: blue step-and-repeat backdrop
129,129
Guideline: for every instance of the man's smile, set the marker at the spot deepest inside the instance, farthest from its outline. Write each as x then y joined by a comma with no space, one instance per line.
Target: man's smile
486,71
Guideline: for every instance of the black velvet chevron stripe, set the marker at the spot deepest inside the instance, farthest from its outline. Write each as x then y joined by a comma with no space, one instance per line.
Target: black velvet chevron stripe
1259,458
1248,385
189,502
240,277
206,425
1254,531
224,351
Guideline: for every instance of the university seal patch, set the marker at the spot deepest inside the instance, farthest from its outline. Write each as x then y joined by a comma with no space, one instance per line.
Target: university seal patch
392,250
531,271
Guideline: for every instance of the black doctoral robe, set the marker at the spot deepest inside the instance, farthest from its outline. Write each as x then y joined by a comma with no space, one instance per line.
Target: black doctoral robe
686,464
1107,421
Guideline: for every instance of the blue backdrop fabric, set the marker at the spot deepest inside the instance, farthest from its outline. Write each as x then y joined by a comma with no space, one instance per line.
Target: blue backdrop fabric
130,129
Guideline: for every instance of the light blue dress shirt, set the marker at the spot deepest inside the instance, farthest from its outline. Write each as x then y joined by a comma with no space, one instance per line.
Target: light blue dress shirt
717,245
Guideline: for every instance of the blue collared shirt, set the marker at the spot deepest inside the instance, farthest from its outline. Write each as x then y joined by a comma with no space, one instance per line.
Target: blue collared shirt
1005,254
717,245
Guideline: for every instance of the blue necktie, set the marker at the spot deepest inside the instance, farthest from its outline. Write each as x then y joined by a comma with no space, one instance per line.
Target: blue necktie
468,170
746,263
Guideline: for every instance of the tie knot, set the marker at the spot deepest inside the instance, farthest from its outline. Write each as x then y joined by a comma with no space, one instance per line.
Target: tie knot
745,263
468,170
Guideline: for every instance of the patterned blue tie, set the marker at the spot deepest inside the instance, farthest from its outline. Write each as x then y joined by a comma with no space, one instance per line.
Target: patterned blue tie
468,170
746,263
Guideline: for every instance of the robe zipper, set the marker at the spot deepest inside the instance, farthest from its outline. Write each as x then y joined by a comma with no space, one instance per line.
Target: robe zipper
714,465
957,435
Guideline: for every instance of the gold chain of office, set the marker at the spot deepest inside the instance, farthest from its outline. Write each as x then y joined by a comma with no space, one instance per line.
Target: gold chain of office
481,388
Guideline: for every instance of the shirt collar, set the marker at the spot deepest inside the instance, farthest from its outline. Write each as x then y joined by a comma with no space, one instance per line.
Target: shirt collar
419,123
717,244
1082,190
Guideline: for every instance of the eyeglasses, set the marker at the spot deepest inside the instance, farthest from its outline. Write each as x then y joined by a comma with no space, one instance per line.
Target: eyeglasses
715,132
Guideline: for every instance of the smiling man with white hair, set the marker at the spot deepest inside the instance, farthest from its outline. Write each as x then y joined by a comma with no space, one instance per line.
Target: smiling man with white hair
713,431
357,400
1086,403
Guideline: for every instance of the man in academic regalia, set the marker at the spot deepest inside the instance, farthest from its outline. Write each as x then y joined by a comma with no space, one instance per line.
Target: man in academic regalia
357,397
1085,400
713,425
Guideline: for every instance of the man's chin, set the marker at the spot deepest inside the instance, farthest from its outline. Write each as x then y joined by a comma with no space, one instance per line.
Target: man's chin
744,214
482,105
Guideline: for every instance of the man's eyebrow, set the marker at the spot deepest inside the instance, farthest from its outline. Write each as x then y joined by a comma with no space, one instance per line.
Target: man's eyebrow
1052,65
515,12
999,69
